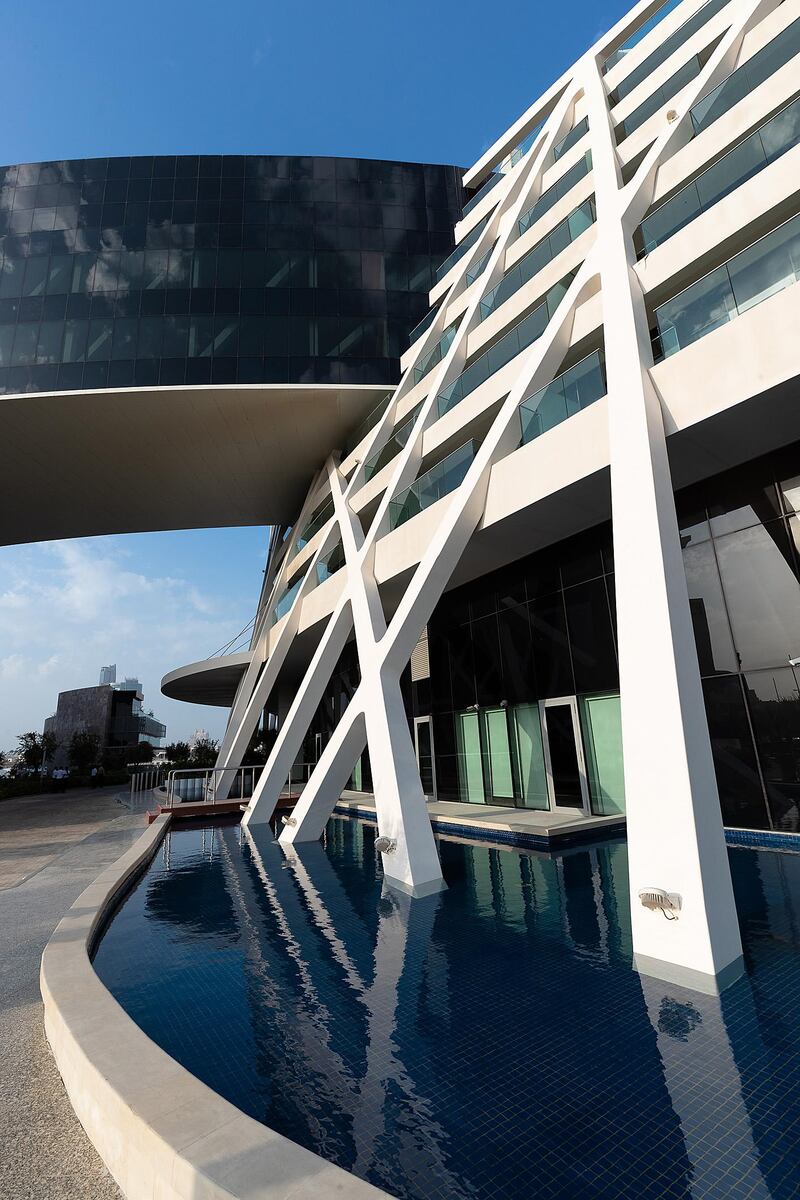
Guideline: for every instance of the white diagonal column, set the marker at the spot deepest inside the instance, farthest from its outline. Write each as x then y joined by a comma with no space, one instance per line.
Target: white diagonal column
675,837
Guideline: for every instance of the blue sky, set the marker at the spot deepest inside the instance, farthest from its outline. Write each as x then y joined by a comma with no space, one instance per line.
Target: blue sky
412,80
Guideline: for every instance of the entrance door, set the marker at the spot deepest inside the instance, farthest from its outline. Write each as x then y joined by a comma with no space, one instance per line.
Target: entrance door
423,742
566,770
498,770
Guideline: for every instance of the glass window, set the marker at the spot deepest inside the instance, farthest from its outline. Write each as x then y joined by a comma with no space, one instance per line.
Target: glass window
774,701
59,274
470,761
6,343
75,336
99,343
48,349
740,791
761,590
201,336
149,337
712,634
124,342
602,734
25,345
11,277
594,659
35,276
526,734
702,307
551,647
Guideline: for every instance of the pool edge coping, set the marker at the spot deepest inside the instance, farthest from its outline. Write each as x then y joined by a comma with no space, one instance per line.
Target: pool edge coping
162,1133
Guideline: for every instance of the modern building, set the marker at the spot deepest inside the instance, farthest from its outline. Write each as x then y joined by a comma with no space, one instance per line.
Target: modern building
114,712
108,674
558,569
269,298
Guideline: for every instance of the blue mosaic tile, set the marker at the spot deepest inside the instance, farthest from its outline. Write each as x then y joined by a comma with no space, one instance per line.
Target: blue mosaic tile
488,1043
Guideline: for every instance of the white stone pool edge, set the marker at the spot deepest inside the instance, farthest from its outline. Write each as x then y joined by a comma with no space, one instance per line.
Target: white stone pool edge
161,1132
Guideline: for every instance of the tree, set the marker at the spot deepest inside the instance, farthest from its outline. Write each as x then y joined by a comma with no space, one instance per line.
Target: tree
4,759
84,750
204,752
143,753
178,752
34,747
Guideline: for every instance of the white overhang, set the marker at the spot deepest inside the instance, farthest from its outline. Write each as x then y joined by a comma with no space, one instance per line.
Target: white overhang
130,460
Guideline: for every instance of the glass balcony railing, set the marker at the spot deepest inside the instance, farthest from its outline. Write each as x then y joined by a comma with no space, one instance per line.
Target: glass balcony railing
572,138
573,390
285,603
752,154
745,79
422,325
578,221
435,356
768,266
440,481
519,152
369,422
320,516
617,55
556,192
480,266
487,186
512,343
663,51
332,562
659,98
460,250
393,446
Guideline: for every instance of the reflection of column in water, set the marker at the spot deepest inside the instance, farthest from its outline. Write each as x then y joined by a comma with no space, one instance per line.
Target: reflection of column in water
397,977
704,1084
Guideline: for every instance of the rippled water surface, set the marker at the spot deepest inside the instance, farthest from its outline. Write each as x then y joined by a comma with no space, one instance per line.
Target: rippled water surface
488,1042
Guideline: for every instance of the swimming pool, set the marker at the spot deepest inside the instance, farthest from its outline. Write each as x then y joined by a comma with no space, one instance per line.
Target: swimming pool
491,1041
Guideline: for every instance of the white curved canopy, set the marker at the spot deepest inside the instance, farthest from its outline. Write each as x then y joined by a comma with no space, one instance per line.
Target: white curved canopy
131,460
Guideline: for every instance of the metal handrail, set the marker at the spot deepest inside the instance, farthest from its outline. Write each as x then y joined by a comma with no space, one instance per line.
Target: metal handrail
208,780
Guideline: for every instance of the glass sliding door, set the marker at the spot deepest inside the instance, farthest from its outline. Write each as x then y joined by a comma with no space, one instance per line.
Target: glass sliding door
566,770
499,774
423,742
526,732
603,738
470,766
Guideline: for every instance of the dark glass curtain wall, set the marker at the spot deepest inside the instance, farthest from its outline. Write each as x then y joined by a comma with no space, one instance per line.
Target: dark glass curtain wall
147,271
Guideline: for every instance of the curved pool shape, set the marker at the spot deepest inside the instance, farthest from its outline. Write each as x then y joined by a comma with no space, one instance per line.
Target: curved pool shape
489,1042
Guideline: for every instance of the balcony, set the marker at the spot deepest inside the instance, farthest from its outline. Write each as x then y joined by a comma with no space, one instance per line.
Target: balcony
422,325
556,192
659,98
369,422
578,221
460,250
486,187
572,138
572,391
440,481
745,79
320,516
666,48
435,356
768,266
332,562
286,601
658,16
480,266
512,343
755,152
392,447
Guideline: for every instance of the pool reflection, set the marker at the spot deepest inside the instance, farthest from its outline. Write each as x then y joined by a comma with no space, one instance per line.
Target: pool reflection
490,1040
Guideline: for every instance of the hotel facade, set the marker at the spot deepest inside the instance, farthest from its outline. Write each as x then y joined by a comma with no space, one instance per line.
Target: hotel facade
556,567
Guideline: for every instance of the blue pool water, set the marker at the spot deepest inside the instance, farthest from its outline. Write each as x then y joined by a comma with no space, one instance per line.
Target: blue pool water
491,1042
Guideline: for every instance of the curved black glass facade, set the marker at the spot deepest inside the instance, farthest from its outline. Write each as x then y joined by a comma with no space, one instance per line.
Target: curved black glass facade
126,272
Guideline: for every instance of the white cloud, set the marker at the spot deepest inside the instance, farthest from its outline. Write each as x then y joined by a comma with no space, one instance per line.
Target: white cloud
68,608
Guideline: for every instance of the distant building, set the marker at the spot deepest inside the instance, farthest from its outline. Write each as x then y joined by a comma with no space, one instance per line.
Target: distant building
114,712
108,674
199,735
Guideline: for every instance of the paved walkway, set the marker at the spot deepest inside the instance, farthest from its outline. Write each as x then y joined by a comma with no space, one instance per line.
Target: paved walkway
51,848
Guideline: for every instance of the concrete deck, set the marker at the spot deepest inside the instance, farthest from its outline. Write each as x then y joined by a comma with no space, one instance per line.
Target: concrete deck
51,847
488,818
